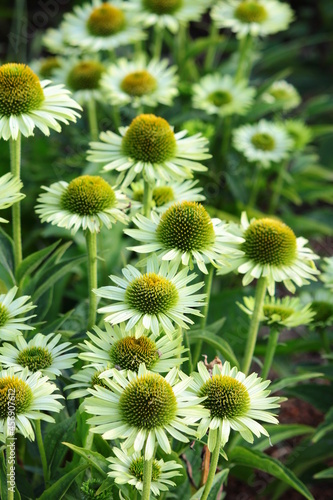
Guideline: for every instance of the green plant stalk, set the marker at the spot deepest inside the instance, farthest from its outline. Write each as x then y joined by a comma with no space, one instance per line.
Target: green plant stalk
203,320
147,472
243,68
9,442
254,324
157,42
91,241
42,451
92,118
180,47
226,132
270,351
187,345
15,167
213,466
255,188
211,52
278,185
147,198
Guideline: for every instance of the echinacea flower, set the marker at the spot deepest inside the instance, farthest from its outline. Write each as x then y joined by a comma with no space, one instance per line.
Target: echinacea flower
30,394
264,142
45,67
42,353
155,300
253,17
128,469
149,147
10,188
321,303
85,379
126,350
222,95
143,408
140,83
299,132
235,401
26,103
185,233
286,312
283,93
170,14
86,202
11,321
271,250
102,26
164,194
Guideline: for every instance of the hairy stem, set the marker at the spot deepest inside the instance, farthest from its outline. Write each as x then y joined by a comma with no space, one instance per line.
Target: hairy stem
147,472
147,198
91,241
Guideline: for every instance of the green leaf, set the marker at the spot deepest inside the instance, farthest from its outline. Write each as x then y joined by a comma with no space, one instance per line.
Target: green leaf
320,396
325,427
56,433
219,479
324,474
33,261
6,259
59,488
281,432
293,380
219,344
258,460
94,458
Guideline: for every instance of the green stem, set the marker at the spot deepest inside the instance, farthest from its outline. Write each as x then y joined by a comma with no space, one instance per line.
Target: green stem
211,52
15,166
42,451
278,185
147,472
203,320
226,132
91,241
188,353
158,42
213,466
244,60
180,48
9,465
270,351
254,324
255,187
92,117
147,198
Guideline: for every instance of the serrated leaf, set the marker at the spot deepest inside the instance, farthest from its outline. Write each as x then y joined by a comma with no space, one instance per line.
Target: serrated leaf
258,460
59,488
33,261
95,459
293,380
219,479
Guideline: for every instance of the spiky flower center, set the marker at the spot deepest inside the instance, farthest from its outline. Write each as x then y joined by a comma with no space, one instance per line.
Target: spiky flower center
323,310
95,380
20,90
15,396
268,241
186,226
161,195
4,315
250,11
85,75
149,139
35,358
226,397
48,65
148,402
129,352
220,98
138,83
88,195
106,20
136,469
151,294
263,141
272,310
162,6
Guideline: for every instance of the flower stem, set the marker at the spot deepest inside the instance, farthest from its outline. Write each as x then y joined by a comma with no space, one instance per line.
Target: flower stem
213,466
158,42
226,132
187,345
9,464
254,324
243,68
147,472
270,351
203,321
91,241
15,166
147,198
255,188
278,184
42,451
211,52
92,117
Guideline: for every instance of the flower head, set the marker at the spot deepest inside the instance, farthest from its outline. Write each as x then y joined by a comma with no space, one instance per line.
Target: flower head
43,353
11,322
235,401
254,17
264,142
221,95
87,202
10,188
283,93
155,300
150,147
26,103
102,26
142,408
126,350
184,233
140,83
85,379
321,303
31,395
128,469
287,312
299,132
272,250
46,66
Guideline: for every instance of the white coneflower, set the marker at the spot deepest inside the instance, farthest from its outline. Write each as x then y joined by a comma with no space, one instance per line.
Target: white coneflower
11,321
283,93
10,188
